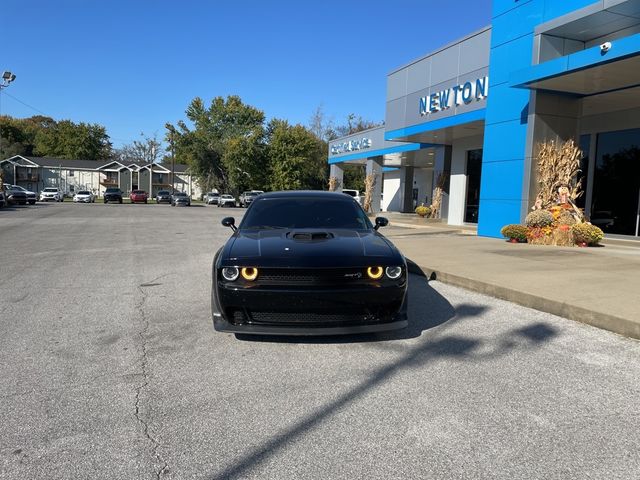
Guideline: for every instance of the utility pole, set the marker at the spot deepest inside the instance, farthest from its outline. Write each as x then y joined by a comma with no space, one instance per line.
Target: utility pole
7,78
172,162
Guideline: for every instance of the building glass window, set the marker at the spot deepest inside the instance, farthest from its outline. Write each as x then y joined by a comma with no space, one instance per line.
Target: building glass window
472,202
615,205
71,173
584,145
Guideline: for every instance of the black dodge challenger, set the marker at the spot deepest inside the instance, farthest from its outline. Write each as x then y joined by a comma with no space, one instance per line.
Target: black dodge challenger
308,263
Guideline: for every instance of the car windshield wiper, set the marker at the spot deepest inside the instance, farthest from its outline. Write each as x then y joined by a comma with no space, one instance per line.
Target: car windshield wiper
263,227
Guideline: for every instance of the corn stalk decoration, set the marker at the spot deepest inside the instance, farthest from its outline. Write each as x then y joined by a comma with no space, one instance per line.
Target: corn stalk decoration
558,166
334,184
369,183
437,195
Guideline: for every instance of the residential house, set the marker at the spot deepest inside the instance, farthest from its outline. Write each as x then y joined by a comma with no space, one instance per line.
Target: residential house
70,176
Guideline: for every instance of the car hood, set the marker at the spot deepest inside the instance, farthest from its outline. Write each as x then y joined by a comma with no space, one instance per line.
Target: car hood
311,247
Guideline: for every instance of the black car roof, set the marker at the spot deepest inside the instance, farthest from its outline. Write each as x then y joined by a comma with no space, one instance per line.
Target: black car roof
304,194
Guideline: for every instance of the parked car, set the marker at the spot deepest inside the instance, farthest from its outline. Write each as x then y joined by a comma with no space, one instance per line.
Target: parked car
353,193
180,198
163,196
112,194
247,197
138,196
84,196
2,198
227,200
14,196
211,198
308,263
31,196
51,193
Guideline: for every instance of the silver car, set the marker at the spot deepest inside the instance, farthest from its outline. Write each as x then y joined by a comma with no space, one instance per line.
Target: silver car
226,200
211,198
84,196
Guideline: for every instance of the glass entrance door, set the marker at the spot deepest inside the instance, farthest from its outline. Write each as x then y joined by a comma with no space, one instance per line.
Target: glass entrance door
615,205
474,167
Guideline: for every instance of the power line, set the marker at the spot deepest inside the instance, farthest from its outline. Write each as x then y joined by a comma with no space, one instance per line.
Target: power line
46,115
24,103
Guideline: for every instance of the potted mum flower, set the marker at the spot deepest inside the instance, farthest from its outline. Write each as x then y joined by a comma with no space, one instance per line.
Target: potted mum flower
587,234
515,233
423,210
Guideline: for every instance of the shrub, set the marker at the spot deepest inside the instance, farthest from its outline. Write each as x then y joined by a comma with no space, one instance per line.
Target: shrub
539,218
587,233
423,210
519,232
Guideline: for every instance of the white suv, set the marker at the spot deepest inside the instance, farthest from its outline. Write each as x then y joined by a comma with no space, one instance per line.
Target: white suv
353,193
51,193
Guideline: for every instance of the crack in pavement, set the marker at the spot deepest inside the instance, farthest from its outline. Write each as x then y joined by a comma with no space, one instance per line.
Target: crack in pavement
145,383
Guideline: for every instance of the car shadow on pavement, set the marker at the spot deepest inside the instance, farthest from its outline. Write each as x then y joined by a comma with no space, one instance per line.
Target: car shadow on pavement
439,344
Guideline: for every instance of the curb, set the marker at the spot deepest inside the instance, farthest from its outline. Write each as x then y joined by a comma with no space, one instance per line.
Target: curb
605,321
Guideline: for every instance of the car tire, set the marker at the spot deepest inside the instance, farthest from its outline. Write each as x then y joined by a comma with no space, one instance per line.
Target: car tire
106,201
32,202
120,201
145,202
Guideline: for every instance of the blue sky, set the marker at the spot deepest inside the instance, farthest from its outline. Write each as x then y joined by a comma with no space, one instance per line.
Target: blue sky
134,65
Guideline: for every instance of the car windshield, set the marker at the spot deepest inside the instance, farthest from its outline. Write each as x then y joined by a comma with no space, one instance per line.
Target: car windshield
226,196
139,192
50,190
180,194
351,193
112,190
18,187
305,212
163,192
83,192
212,194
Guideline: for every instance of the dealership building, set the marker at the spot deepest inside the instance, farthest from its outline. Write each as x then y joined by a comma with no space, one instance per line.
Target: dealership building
471,115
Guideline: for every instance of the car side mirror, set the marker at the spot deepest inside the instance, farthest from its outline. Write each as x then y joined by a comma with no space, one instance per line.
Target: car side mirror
230,222
381,222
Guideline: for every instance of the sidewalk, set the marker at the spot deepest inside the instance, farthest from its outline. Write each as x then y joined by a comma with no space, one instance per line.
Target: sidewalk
597,286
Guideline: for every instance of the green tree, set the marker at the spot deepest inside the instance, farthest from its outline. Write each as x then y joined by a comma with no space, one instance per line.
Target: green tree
224,139
66,139
296,156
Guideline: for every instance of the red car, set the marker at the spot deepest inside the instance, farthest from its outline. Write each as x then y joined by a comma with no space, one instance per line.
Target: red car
138,196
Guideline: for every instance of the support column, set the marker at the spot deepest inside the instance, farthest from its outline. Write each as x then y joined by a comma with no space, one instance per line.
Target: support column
442,165
406,190
335,170
374,167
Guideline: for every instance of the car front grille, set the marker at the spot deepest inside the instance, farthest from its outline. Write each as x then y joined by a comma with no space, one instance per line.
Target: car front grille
306,318
318,277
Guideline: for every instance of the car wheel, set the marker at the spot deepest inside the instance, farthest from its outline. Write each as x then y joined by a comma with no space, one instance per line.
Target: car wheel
32,202
145,202
120,201
105,201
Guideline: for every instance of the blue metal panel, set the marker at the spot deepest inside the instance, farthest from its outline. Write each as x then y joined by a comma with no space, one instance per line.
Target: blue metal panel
495,214
622,48
504,141
554,8
502,6
436,124
508,57
409,147
516,23
502,110
503,180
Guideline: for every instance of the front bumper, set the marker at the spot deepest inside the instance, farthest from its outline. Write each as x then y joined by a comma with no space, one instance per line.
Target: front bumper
296,311
82,200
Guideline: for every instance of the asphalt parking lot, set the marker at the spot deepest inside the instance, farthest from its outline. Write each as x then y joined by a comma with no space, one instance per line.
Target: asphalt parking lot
110,368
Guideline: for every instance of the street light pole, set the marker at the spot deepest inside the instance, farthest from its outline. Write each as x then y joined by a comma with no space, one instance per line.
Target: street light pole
7,78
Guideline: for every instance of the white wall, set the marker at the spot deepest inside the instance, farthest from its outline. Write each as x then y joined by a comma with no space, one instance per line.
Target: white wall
458,184
391,197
